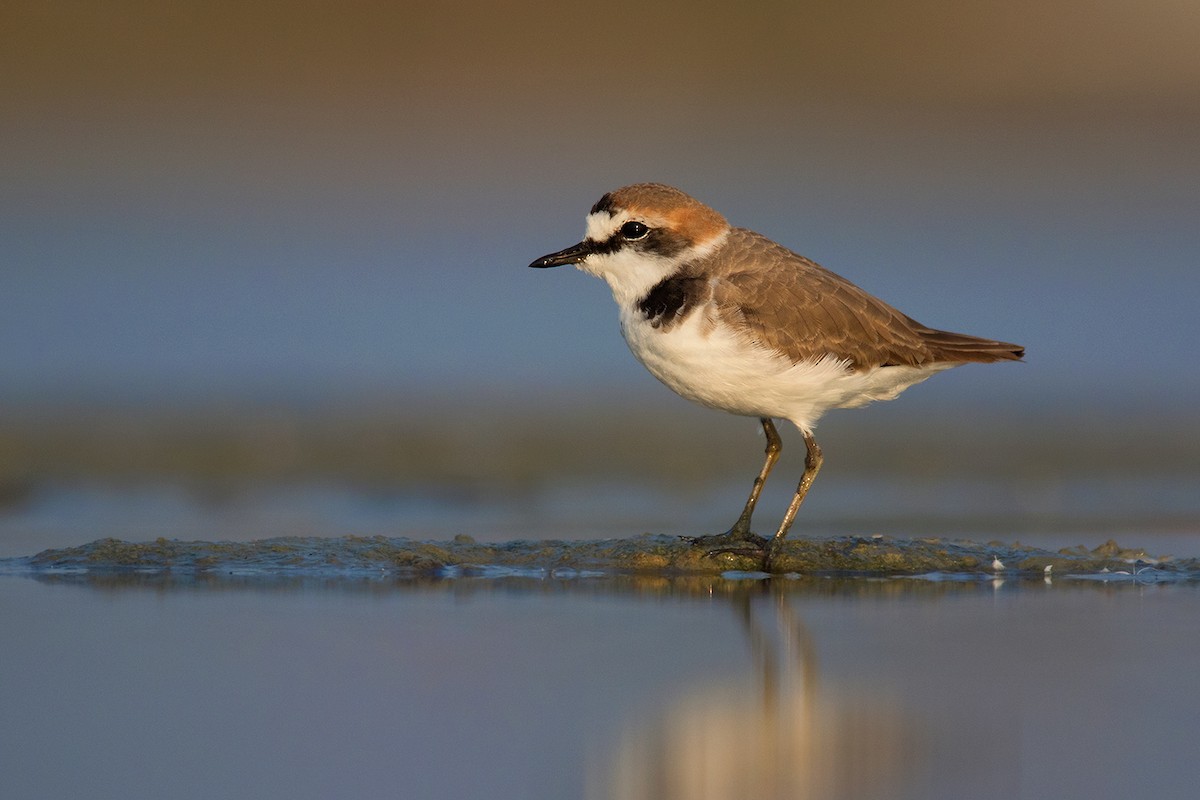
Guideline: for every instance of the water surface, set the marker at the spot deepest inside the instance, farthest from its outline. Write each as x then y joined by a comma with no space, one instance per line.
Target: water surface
136,685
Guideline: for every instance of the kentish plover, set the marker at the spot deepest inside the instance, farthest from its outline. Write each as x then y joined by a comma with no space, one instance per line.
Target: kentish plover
730,319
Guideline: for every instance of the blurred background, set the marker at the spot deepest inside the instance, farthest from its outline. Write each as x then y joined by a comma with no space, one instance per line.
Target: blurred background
263,267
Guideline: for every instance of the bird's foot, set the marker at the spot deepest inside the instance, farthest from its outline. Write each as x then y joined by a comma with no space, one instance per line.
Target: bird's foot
735,542
771,552
732,539
741,543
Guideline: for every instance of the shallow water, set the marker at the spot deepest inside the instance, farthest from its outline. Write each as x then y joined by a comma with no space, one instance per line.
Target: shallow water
1156,512
291,674
135,685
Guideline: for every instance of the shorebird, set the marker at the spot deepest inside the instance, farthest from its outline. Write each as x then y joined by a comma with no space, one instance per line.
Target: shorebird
734,321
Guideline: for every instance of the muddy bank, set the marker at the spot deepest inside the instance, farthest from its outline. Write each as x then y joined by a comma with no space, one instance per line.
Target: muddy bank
878,556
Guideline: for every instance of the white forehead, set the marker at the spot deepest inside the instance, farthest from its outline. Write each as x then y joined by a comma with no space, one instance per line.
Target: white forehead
602,224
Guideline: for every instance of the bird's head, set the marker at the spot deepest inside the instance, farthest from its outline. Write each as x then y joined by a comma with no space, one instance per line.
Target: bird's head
639,234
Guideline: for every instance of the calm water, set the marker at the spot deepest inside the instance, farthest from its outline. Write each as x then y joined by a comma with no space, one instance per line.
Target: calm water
137,685
1160,513
608,687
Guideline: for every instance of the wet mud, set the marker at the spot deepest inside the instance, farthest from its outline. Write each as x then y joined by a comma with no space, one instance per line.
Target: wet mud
878,556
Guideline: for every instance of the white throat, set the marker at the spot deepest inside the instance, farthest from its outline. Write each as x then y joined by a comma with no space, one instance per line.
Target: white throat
629,273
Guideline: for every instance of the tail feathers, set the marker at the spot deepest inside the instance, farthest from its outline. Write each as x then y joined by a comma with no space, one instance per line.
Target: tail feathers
958,347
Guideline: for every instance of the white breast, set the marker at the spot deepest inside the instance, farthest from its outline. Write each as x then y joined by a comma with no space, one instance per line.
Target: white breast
709,363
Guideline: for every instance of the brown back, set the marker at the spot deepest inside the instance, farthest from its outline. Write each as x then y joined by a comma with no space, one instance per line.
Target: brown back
797,307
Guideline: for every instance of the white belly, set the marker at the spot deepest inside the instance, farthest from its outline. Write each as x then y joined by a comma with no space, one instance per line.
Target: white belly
712,365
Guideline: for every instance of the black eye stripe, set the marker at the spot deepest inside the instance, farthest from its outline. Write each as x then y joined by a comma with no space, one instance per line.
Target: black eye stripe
656,241
610,245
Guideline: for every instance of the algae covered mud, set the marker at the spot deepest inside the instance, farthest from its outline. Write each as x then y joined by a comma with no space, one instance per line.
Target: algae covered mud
356,556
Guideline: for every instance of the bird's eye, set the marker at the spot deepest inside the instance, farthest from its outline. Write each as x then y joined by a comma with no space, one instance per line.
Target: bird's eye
634,230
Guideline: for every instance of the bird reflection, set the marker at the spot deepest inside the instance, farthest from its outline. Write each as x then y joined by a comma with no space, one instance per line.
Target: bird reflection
778,734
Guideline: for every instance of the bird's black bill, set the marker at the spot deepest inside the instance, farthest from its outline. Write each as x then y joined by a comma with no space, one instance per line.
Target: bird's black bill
572,255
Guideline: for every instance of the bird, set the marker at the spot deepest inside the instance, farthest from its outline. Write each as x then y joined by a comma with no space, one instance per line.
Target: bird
734,321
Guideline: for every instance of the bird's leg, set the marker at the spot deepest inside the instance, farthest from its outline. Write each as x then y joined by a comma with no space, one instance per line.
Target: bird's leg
741,528
812,464
740,532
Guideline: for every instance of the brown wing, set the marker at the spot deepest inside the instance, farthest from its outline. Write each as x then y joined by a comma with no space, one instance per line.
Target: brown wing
798,308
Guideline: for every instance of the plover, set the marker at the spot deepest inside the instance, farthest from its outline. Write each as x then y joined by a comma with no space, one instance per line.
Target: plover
731,320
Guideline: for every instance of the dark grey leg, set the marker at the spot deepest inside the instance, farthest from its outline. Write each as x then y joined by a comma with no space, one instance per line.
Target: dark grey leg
740,532
774,447
812,464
